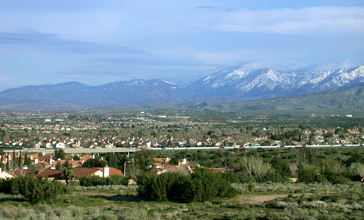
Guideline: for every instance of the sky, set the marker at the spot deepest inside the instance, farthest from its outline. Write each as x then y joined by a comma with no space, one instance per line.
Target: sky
100,41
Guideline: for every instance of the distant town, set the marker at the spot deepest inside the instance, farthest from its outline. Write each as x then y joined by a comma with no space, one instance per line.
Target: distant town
143,130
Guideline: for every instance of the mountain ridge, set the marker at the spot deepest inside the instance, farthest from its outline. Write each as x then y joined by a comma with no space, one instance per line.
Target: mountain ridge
230,84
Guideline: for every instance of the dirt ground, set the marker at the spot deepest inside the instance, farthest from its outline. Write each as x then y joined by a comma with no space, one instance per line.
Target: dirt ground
93,193
258,198
250,199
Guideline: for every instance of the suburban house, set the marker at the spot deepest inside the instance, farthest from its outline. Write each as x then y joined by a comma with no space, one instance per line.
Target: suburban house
222,170
97,171
82,172
51,174
162,165
73,163
25,171
183,161
171,169
6,174
160,162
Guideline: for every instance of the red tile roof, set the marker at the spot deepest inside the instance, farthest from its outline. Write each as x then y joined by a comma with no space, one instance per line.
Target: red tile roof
51,173
84,171
112,171
12,174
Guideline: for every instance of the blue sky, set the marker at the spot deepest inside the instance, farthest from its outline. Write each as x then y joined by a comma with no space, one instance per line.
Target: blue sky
96,42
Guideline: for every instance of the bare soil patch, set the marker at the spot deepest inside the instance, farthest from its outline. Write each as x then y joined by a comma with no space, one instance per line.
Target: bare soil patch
252,199
93,193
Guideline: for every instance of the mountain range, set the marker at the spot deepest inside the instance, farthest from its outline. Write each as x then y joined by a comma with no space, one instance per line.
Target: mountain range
230,84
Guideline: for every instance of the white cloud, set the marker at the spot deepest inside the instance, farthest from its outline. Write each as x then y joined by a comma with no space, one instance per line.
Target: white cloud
229,58
337,65
5,79
308,21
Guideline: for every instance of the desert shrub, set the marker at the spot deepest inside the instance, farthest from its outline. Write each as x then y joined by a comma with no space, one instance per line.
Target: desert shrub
276,177
356,157
330,198
92,181
309,175
243,177
106,216
101,181
334,177
281,167
116,180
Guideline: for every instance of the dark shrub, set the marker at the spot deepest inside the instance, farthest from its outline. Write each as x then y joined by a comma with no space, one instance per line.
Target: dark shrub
34,189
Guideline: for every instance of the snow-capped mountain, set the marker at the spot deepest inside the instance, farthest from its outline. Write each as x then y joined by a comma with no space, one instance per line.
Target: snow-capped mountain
241,84
232,83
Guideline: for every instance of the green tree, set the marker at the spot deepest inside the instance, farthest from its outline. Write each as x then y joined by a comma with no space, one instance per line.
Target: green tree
67,164
145,159
68,175
204,185
2,153
13,161
308,174
97,162
59,154
19,160
280,166
35,190
58,166
27,161
140,134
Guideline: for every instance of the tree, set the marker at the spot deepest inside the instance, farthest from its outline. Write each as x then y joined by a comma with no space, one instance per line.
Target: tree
357,168
133,170
27,161
140,133
59,153
171,143
2,153
67,164
280,166
19,160
145,159
68,175
13,167
201,186
58,166
97,162
7,167
255,166
2,134
34,190
307,174
204,184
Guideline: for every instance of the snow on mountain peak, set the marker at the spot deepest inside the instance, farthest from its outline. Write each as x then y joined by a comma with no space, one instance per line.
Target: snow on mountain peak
171,83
